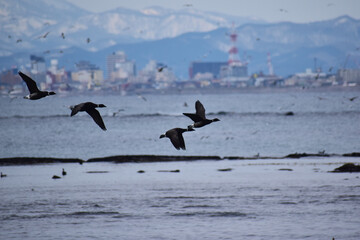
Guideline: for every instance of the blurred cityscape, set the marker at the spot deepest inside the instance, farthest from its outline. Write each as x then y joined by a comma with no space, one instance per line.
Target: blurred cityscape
124,78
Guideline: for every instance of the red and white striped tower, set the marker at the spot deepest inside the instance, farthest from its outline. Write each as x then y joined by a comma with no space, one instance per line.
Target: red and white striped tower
233,51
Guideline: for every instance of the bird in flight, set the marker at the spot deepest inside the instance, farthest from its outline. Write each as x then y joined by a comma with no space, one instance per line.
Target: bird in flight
141,97
160,69
176,137
44,36
35,93
199,117
89,107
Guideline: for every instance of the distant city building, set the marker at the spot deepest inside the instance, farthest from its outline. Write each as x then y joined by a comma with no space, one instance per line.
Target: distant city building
119,69
206,67
233,72
10,77
88,74
37,64
56,75
38,69
349,76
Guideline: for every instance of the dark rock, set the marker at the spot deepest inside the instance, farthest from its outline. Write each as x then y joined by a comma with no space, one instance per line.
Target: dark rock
36,160
141,171
174,171
224,169
97,171
151,158
297,155
348,167
354,154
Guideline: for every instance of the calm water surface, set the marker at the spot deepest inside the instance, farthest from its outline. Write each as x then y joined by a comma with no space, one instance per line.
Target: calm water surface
253,201
251,123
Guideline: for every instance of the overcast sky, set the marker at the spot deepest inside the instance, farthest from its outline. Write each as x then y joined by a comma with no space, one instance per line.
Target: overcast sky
300,11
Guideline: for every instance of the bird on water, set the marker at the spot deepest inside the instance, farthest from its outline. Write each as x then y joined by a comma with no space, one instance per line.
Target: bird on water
35,93
89,107
199,117
176,137
63,172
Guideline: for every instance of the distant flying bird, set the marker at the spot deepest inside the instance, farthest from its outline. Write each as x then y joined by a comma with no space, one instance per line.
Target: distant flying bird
331,68
88,40
283,10
160,69
141,97
35,93
44,36
257,39
89,107
9,36
352,99
188,5
118,111
47,52
61,51
19,40
63,35
199,117
176,137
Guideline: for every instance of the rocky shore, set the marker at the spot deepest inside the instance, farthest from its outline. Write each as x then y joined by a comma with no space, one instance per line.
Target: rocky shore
156,158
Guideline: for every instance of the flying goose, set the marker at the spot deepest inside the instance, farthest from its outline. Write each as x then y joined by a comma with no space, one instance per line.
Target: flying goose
89,107
35,93
176,137
199,117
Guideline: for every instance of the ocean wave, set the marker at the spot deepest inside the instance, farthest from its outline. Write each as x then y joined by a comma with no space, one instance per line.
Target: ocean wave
56,215
209,214
219,114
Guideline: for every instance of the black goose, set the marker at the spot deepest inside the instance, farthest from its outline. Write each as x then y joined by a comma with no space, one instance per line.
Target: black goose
89,107
199,117
176,138
63,172
35,93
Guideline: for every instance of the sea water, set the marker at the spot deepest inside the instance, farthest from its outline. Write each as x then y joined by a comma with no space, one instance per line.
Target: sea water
250,124
255,199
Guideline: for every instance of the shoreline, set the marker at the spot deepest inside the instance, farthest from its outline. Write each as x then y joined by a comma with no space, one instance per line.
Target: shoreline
11,161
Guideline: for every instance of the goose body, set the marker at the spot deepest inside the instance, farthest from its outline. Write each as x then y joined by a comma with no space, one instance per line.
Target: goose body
89,107
176,137
35,93
199,117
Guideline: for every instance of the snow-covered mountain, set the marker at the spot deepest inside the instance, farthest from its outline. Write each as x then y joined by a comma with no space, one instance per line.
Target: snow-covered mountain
175,37
23,23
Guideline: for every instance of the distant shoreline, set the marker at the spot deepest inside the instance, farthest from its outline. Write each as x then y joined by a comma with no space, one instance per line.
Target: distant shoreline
155,158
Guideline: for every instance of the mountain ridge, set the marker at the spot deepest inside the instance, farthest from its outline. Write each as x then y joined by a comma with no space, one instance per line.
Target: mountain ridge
293,46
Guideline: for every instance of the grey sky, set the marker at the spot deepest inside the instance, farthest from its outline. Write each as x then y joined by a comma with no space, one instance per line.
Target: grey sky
269,10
